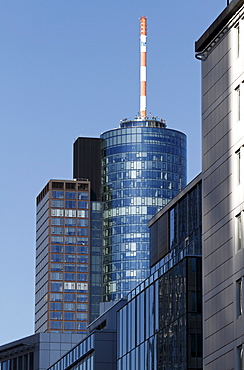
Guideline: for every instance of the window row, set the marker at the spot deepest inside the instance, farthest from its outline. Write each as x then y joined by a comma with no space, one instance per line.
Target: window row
70,195
69,258
69,297
69,287
69,240
58,221
69,213
69,203
69,231
69,267
59,315
68,276
67,325
68,306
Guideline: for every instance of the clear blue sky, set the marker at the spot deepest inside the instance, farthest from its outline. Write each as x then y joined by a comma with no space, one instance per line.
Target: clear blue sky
70,68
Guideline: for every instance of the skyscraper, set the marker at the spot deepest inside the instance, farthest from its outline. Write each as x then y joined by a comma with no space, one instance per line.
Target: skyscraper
62,257
143,168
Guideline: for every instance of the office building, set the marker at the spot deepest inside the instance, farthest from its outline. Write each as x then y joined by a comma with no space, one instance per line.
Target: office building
221,51
62,257
143,168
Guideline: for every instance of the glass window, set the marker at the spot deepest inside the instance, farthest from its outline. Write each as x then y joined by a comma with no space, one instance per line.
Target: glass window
55,324
56,315
82,232
238,155
81,307
83,195
56,267
57,230
56,276
70,204
70,213
57,194
69,276
69,287
57,248
82,277
56,297
57,212
238,103
82,214
82,268
69,316
70,195
240,357
56,257
69,267
82,222
70,231
82,204
81,316
239,231
69,258
83,250
70,222
56,306
82,240
57,203
70,240
56,287
57,239
81,326
57,221
69,298
82,287
69,306
239,297
82,298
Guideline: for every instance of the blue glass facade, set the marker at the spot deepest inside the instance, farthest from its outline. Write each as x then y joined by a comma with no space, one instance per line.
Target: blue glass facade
143,168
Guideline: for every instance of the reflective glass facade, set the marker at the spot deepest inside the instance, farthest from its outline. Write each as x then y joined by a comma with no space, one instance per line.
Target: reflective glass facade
143,168
160,327
62,257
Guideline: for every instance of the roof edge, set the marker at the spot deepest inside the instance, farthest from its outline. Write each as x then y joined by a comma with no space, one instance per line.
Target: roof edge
217,25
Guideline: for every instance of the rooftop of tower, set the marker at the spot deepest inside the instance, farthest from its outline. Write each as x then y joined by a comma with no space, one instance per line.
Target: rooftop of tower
138,121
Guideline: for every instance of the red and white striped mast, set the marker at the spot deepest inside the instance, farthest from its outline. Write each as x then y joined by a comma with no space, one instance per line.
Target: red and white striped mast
143,66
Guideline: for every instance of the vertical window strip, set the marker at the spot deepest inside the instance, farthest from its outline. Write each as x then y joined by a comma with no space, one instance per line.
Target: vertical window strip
239,285
238,232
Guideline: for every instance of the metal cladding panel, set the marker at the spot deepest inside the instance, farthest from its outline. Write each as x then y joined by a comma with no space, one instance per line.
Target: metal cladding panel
87,163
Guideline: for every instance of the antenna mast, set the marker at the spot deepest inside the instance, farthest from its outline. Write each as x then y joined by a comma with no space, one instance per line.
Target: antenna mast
143,66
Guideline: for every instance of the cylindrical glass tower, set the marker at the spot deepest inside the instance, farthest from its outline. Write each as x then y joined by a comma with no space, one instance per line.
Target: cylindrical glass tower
143,168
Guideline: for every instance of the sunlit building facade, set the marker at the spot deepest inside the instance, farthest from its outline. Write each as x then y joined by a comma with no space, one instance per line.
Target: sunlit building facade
62,257
143,168
221,51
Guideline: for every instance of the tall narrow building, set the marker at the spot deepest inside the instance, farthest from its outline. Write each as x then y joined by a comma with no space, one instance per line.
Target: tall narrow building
143,168
63,257
221,50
